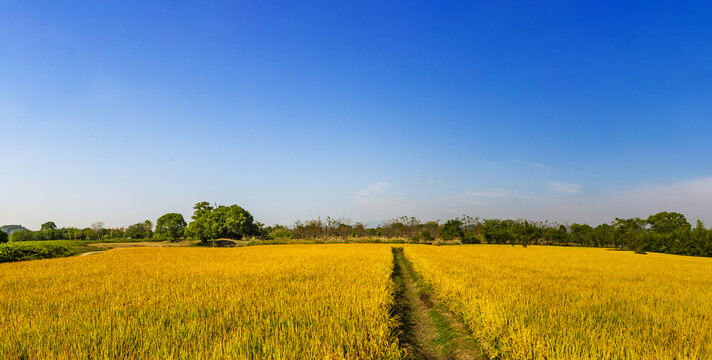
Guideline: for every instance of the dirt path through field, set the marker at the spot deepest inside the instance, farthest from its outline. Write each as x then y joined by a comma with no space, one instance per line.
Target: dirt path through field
91,253
427,329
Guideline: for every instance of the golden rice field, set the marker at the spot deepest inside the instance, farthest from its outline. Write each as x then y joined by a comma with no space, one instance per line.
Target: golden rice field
574,303
334,301
265,302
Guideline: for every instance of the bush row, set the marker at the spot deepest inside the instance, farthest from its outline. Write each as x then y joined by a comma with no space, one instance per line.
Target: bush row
19,252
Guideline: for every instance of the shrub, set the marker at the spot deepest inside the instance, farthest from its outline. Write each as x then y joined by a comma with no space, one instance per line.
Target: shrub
471,239
20,252
426,237
447,242
415,238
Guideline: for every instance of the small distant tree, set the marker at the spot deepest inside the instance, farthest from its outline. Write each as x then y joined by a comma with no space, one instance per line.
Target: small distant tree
359,230
3,237
582,234
148,227
280,232
433,227
89,234
699,236
170,226
471,238
344,230
97,226
22,235
50,225
496,231
452,229
426,237
527,232
602,235
556,235
138,231
628,233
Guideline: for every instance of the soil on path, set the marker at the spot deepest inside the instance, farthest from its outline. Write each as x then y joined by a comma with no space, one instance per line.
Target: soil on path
91,253
427,329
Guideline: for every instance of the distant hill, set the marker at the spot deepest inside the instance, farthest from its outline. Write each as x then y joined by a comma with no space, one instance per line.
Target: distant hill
9,229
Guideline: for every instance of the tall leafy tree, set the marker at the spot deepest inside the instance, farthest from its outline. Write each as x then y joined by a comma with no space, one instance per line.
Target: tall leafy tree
210,223
670,232
452,229
199,228
170,226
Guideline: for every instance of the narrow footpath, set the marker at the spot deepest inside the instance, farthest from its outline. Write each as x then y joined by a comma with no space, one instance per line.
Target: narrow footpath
427,329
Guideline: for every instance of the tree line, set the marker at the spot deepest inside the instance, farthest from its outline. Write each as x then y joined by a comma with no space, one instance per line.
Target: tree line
208,224
664,232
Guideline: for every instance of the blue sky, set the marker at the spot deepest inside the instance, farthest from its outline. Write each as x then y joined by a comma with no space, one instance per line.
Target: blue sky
568,111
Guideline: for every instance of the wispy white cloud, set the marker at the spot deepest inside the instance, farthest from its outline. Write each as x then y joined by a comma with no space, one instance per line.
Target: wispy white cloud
378,201
565,188
493,193
691,198
436,181
553,202
536,164
372,190
499,194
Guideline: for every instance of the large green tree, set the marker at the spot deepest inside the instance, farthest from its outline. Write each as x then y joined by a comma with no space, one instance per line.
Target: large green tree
170,226
229,222
451,230
670,233
668,222
3,237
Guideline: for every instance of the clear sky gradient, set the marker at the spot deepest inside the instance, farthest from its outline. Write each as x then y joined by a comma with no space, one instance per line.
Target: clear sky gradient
121,111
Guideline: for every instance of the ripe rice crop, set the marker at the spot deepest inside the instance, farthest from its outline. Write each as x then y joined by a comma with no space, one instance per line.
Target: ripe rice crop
265,302
574,303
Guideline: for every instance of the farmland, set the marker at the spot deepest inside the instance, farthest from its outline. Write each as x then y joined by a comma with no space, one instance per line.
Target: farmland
338,301
281,302
574,303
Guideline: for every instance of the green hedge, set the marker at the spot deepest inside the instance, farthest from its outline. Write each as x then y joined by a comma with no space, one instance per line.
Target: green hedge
19,252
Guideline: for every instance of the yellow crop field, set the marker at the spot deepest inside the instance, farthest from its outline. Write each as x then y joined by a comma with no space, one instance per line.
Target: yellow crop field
265,302
574,303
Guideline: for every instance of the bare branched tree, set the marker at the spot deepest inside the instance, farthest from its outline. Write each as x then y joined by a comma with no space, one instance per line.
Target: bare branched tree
97,226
